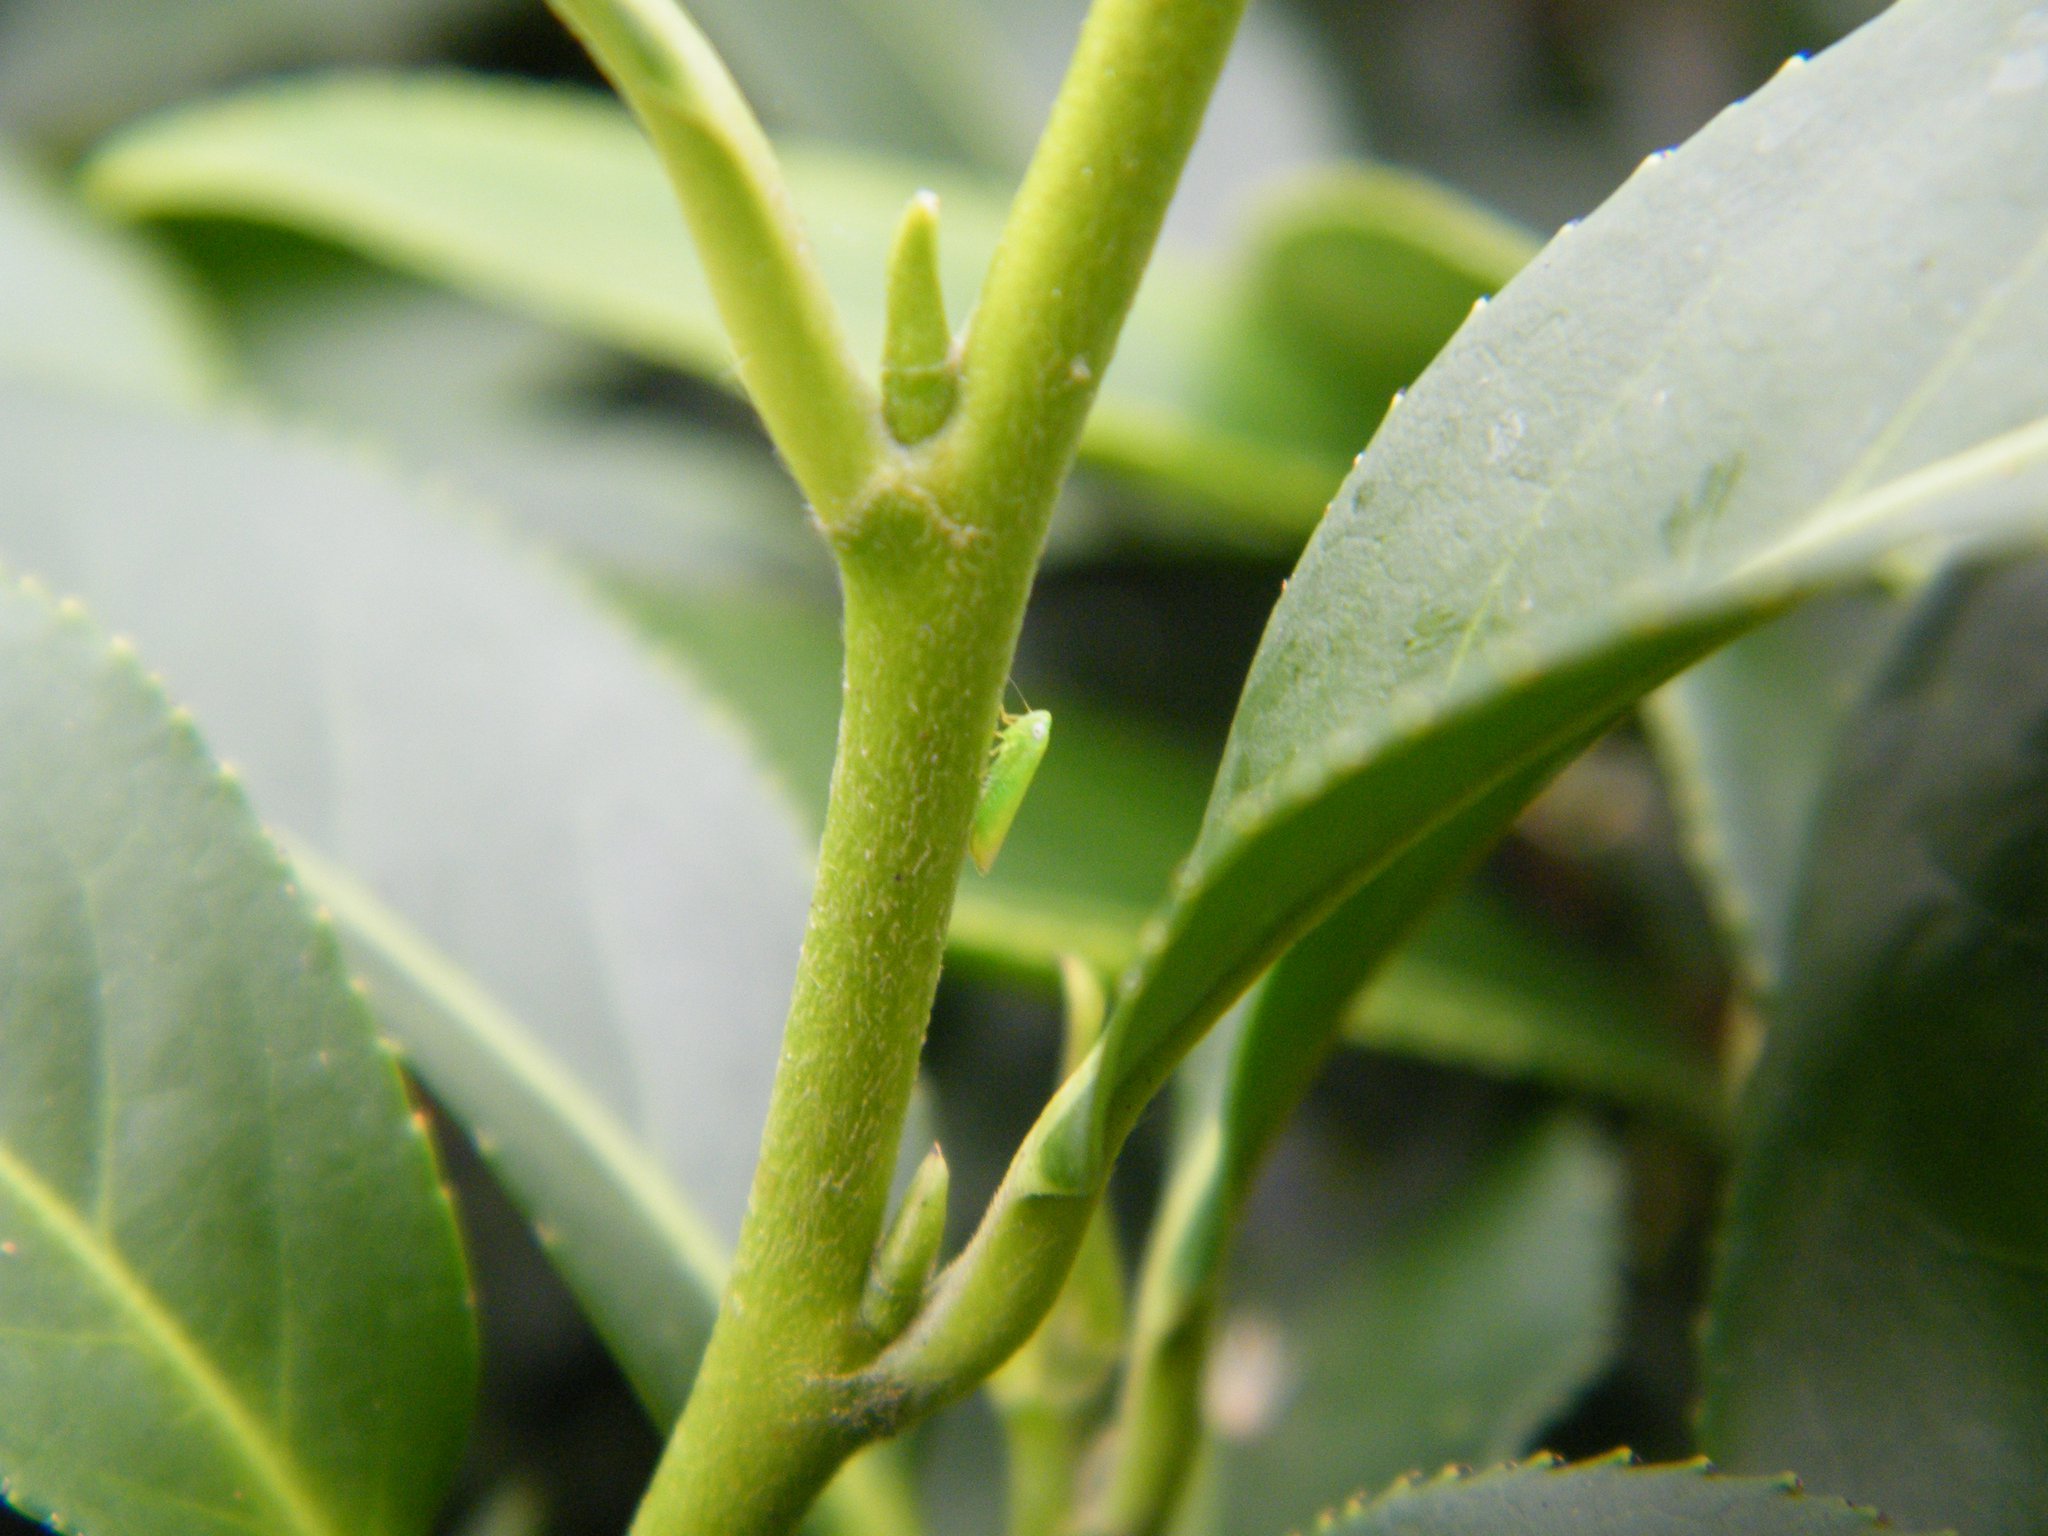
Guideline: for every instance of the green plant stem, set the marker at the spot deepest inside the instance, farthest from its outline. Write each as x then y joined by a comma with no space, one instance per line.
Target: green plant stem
1157,1433
1050,1394
1079,235
936,553
786,333
1042,1452
930,624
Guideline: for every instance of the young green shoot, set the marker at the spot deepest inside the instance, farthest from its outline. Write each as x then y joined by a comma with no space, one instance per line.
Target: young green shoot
909,1253
920,379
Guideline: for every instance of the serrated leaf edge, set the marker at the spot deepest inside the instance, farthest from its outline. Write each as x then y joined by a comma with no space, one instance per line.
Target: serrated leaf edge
1332,1521
270,1463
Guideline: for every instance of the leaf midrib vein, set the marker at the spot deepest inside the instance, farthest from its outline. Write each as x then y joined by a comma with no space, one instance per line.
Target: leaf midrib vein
127,1290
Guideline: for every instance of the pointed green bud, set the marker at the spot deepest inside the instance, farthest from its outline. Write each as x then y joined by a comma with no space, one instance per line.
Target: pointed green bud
909,1253
920,382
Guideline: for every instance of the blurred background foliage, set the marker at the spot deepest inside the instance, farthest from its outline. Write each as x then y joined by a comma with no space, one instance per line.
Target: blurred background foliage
1486,1231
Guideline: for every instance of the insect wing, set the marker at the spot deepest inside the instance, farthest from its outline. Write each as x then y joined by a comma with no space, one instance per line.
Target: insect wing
1020,748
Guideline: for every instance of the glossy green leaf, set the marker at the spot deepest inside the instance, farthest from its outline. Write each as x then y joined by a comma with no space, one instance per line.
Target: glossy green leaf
1247,1081
1456,1339
1880,1320
89,305
1746,739
549,201
533,796
1276,1042
231,1293
1603,478
1599,1498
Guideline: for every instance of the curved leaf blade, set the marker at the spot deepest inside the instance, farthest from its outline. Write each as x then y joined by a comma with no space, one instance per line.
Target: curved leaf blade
1286,1026
1746,739
231,1292
1596,484
1880,1319
72,68
1546,1498
638,1257
488,758
550,201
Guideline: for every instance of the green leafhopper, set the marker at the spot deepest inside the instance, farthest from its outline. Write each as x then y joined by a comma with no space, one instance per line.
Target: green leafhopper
1020,748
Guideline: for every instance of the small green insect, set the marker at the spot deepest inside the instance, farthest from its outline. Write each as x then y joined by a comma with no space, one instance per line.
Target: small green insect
1020,748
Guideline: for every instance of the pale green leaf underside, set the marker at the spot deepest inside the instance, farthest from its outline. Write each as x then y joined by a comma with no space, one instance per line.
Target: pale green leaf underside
1675,422
641,1260
509,780
231,1293
1880,1319
1457,1338
92,306
1746,739
1600,1498
550,201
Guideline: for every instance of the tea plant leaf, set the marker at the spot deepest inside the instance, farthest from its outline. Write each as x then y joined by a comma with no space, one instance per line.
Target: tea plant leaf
1475,1325
1746,739
92,305
231,1292
634,1253
1880,1320
1598,482
1544,1497
1245,1083
639,1258
1477,986
492,761
1278,1040
549,201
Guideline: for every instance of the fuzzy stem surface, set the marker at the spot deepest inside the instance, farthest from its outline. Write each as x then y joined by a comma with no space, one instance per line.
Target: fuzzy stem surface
937,546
